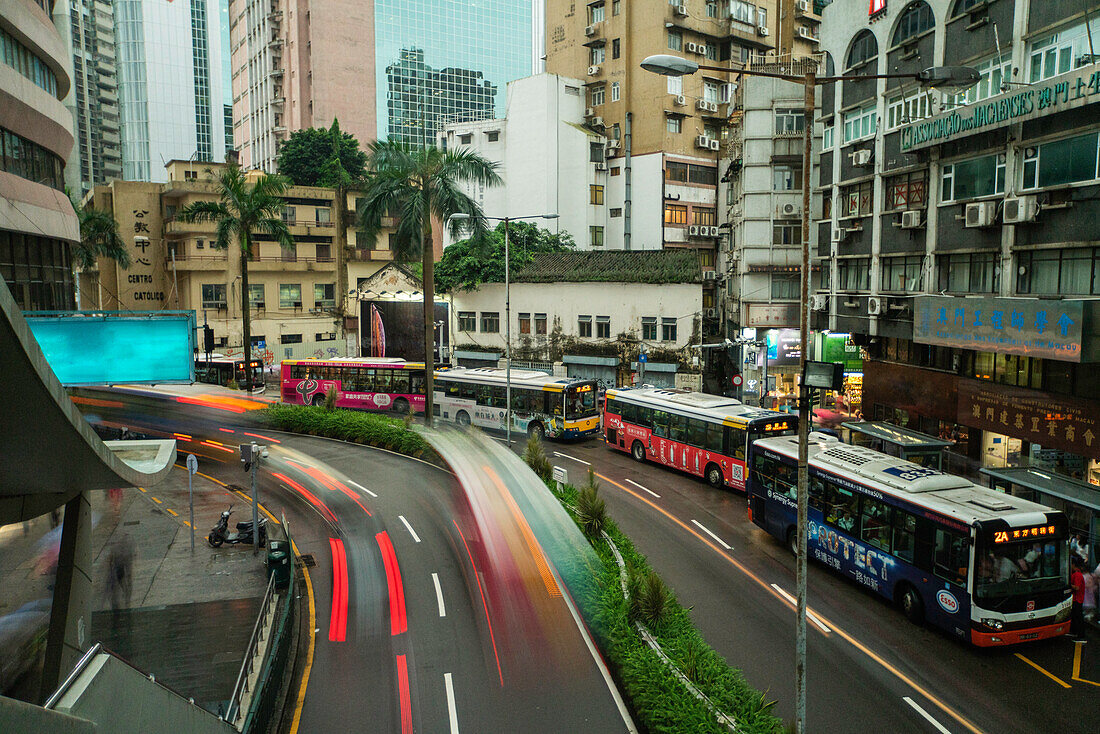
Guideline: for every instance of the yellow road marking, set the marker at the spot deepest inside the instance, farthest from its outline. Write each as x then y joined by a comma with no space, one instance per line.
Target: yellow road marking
309,653
171,512
1045,672
1077,664
143,489
187,523
851,640
158,501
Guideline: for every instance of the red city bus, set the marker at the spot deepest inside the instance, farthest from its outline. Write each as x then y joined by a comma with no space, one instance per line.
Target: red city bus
365,383
704,435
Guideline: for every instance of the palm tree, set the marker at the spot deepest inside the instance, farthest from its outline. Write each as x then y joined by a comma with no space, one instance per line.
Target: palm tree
242,209
99,237
418,184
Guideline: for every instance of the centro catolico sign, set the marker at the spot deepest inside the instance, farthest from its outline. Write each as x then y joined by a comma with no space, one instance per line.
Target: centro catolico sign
1064,92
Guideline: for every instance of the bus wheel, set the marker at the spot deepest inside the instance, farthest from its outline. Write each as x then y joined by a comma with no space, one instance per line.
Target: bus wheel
714,476
792,541
462,418
317,400
912,605
536,430
401,406
638,451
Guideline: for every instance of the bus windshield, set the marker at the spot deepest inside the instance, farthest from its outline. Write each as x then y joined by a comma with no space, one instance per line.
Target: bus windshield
1010,569
580,401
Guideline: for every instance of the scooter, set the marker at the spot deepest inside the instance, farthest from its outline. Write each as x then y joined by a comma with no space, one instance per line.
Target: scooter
243,536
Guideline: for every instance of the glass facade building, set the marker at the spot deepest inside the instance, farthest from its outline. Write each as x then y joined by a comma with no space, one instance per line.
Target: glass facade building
444,61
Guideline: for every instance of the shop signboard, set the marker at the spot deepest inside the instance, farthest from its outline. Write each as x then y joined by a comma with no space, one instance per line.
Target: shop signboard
1026,326
838,348
784,347
1039,417
1060,93
767,315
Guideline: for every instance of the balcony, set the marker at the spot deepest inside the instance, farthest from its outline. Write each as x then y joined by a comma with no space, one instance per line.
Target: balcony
290,263
362,254
189,262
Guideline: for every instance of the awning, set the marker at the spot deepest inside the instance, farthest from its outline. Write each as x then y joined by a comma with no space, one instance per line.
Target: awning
897,436
595,361
1071,490
655,366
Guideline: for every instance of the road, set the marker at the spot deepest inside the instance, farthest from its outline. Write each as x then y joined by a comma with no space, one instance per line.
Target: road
869,669
418,622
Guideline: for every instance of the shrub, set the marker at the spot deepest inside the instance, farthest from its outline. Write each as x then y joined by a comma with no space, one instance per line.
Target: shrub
591,511
535,458
409,417
649,600
330,399
356,426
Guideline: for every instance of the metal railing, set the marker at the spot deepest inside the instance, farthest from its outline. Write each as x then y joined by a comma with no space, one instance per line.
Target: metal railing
260,632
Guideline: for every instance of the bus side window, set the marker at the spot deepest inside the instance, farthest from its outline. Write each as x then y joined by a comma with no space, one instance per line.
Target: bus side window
875,523
841,507
714,438
677,427
762,470
952,556
905,535
660,423
817,492
630,413
416,383
696,432
401,382
468,392
735,443
612,406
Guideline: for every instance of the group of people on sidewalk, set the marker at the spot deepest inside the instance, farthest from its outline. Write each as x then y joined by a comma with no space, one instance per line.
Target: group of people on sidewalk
1085,585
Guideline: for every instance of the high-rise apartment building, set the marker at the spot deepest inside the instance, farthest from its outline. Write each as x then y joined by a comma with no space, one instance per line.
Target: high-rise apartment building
37,222
93,100
172,84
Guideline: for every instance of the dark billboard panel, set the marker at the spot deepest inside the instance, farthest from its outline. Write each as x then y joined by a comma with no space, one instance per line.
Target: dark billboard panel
396,329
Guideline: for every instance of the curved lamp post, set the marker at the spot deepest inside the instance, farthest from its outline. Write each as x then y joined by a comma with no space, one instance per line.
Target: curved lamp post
944,78
507,313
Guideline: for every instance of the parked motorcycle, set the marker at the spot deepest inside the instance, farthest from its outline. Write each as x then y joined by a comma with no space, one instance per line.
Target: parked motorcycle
243,536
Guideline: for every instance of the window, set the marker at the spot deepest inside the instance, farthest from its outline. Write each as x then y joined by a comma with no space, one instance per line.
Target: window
976,177
614,91
675,40
290,295
290,339
992,74
615,48
525,323
584,326
853,274
743,12
710,91
213,295
676,214
827,136
616,5
649,328
710,51
596,13
467,321
785,286
1055,272
595,194
968,273
789,121
787,233
903,109
596,95
712,9
952,556
668,330
199,244
705,216
861,123
902,273
324,336
603,327
904,542
1063,51
864,48
595,236
256,295
324,295
707,175
907,191
1060,162
490,322
596,54
676,172
323,252
786,178
540,324
857,200
616,212
761,15
492,136
916,19
674,124
675,84
323,215
874,523
595,152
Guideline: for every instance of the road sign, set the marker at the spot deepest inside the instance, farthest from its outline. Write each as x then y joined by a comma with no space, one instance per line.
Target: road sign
737,380
643,357
192,464
560,475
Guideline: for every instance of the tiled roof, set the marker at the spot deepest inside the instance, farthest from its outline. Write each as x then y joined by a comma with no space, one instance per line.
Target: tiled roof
649,266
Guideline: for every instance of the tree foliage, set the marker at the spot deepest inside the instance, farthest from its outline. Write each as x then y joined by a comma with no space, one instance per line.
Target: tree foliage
480,259
99,237
307,159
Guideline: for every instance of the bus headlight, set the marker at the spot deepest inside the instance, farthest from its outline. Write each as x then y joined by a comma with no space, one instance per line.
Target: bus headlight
994,624
1063,614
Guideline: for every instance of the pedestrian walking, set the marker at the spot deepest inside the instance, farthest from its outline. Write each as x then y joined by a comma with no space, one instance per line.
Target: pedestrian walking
1077,583
1088,605
120,577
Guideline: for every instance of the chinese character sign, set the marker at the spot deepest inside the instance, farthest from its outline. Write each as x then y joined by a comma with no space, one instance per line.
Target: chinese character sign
1024,326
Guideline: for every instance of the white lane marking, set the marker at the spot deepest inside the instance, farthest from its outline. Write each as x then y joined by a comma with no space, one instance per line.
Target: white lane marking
706,530
359,486
809,615
574,458
451,710
439,595
925,714
644,489
409,528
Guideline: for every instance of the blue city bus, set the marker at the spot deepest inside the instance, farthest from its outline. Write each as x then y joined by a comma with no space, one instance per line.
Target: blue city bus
987,567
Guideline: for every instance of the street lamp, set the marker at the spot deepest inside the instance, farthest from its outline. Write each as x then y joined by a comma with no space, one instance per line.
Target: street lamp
946,78
507,313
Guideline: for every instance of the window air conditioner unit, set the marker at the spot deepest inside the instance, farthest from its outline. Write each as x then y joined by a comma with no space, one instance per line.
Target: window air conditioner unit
874,306
612,144
912,219
693,231
762,30
702,104
713,145
702,141
839,233
593,70
1020,209
681,100
590,30
804,6
805,32
710,313
819,302
980,214
790,209
861,157
680,9
589,111
601,166
691,48
597,122
710,275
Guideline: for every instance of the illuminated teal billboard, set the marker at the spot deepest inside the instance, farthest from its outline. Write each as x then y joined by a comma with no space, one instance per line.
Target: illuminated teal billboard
112,347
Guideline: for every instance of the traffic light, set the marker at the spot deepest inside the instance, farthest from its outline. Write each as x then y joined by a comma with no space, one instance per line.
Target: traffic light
207,339
246,456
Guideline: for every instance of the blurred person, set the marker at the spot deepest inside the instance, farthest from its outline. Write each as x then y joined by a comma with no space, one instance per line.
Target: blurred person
120,578
1088,604
1077,583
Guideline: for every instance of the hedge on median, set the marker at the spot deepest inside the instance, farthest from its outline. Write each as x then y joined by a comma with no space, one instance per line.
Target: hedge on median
372,429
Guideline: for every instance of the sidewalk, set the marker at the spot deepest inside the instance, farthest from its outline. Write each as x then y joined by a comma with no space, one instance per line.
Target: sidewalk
187,618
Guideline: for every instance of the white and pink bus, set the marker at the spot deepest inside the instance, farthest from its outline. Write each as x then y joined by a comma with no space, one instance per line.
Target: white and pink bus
701,434
364,383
